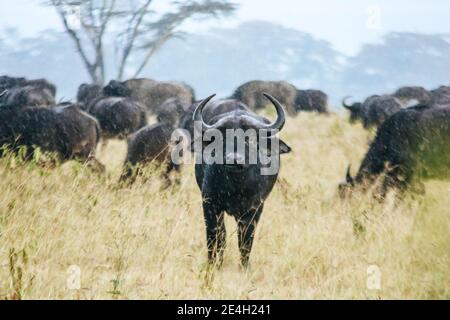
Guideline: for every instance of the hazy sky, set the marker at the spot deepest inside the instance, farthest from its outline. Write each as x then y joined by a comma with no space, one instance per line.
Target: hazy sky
345,23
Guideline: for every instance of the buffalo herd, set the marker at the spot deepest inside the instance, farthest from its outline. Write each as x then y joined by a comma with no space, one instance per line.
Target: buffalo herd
412,144
412,140
294,100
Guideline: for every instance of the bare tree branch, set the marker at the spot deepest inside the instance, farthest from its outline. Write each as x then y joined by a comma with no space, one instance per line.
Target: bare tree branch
132,24
155,47
133,32
73,34
105,15
165,27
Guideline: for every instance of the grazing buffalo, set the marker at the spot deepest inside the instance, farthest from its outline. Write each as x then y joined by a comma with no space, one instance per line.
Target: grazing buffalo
171,111
79,133
136,88
150,93
374,110
251,94
88,93
409,96
27,96
149,145
312,100
441,96
233,184
7,82
412,145
43,85
29,127
153,144
118,116
65,130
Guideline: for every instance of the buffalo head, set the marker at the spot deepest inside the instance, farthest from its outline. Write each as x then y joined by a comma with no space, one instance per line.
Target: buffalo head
356,110
116,89
254,134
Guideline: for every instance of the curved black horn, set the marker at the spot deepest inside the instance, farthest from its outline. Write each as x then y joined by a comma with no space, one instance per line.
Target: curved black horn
278,124
198,112
348,177
346,106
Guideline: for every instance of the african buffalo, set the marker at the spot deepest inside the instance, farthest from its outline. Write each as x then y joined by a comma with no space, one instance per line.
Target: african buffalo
412,145
136,88
65,130
28,127
149,145
88,93
118,116
171,111
251,94
79,133
374,110
233,184
149,92
27,96
7,82
441,96
409,96
153,144
312,100
43,84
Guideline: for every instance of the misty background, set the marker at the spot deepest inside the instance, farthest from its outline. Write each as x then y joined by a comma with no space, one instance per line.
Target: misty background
362,48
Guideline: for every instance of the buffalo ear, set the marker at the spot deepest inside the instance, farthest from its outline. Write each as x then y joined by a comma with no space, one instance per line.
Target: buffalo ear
284,148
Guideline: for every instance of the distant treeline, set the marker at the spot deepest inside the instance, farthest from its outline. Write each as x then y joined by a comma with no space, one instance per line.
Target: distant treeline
220,60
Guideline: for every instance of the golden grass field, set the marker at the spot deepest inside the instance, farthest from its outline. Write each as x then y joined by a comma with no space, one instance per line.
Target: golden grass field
143,243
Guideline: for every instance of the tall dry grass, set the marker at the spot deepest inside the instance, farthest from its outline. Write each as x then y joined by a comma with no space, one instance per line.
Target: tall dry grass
143,243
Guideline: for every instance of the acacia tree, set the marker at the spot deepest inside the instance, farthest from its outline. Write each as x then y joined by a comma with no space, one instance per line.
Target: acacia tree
137,30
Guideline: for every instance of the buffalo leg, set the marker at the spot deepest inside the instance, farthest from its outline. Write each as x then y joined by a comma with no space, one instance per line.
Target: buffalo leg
215,232
94,164
166,175
246,233
177,169
221,235
129,174
398,178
